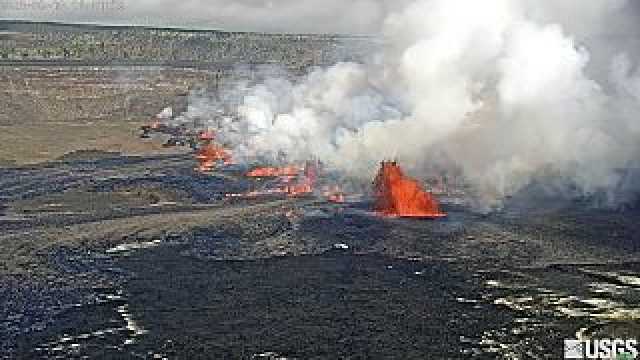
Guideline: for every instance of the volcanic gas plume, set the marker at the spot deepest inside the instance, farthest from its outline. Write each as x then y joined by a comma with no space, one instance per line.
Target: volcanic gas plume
504,91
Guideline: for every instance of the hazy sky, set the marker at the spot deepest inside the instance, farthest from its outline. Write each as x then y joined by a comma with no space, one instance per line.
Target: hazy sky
337,16
319,16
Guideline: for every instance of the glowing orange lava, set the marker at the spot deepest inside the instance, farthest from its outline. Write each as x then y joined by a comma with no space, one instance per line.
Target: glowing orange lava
334,194
298,189
306,182
209,155
287,171
291,180
397,195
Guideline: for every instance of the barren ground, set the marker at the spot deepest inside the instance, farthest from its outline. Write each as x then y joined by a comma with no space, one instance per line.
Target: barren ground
105,255
46,112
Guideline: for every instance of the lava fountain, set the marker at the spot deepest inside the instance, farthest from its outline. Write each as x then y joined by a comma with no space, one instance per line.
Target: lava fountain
398,195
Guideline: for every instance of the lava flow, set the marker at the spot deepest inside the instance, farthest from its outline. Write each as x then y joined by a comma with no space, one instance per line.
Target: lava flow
306,183
397,195
264,172
209,155
334,194
290,180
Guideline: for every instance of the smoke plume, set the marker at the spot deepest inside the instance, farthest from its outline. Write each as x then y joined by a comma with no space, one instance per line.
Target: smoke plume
505,91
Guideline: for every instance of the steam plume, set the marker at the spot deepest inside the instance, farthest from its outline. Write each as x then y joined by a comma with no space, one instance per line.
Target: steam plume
503,90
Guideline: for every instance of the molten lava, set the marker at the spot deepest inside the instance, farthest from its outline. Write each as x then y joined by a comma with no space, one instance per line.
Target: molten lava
208,156
334,194
287,171
291,180
306,181
311,172
397,195
207,135
299,189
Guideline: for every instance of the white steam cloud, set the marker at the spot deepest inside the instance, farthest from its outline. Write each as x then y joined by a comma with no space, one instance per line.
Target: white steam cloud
503,90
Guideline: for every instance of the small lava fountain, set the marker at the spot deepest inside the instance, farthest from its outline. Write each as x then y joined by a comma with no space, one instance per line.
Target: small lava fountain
209,155
398,195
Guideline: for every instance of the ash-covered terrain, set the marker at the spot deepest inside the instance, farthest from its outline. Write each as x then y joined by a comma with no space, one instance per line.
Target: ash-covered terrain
108,256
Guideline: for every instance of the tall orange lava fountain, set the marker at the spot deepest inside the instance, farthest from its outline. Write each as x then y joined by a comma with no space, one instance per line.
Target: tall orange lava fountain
397,195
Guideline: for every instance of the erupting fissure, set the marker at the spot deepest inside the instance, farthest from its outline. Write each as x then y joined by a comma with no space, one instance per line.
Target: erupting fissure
264,172
398,195
290,180
211,153
334,194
